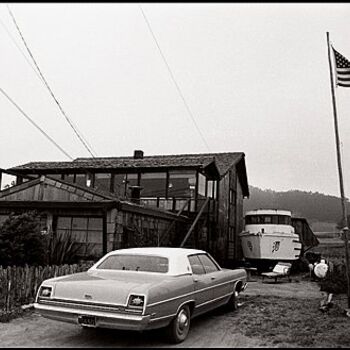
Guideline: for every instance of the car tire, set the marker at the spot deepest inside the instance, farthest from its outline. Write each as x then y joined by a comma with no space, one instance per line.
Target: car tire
180,325
232,304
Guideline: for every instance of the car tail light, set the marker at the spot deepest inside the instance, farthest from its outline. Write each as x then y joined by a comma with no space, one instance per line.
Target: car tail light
136,301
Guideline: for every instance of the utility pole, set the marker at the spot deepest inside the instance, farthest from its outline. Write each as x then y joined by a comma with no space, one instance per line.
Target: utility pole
343,199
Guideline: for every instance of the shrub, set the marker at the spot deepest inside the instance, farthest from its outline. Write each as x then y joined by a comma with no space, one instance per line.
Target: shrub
63,249
21,241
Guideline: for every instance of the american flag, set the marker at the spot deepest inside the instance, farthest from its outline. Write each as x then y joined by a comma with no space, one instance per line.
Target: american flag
342,69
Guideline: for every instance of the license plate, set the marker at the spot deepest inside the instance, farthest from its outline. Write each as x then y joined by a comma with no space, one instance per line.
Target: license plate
88,321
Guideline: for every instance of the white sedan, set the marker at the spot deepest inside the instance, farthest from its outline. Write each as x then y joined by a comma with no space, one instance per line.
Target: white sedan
142,288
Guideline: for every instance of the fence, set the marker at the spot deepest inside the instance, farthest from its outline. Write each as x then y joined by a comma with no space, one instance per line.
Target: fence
19,285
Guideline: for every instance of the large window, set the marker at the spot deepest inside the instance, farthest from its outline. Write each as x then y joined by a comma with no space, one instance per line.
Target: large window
55,176
153,184
120,185
131,180
182,183
86,231
103,182
69,177
80,179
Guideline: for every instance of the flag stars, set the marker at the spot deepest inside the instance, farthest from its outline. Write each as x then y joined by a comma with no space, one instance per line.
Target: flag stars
342,69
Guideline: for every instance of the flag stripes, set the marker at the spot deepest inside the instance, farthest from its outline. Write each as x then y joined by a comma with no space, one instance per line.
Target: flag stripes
342,69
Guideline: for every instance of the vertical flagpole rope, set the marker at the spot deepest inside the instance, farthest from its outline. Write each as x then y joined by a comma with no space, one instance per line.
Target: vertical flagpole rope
343,199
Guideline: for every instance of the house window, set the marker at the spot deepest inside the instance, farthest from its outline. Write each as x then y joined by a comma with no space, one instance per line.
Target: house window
181,183
80,179
103,182
69,177
211,191
85,231
55,176
201,184
7,181
119,187
153,184
132,179
89,178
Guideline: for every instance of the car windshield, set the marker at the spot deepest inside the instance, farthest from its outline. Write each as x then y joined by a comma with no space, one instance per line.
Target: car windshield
146,263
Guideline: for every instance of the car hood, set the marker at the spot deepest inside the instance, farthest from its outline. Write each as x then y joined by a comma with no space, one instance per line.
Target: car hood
112,287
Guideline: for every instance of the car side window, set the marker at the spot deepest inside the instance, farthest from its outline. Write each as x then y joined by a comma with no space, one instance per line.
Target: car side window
196,265
208,264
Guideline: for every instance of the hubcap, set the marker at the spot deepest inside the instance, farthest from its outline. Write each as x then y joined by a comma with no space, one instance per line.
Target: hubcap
182,321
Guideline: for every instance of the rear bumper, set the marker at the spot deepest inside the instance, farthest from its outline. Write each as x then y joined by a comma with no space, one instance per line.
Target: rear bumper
103,319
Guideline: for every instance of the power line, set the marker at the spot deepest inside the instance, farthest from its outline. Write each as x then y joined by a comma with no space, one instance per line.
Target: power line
173,79
47,85
33,68
33,123
19,48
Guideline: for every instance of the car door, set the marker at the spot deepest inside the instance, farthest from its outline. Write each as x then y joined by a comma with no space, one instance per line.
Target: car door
203,292
219,280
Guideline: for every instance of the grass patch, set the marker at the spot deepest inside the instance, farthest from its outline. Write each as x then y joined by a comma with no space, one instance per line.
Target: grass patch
296,322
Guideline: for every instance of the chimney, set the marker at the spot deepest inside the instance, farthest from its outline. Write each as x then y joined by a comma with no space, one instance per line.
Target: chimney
138,154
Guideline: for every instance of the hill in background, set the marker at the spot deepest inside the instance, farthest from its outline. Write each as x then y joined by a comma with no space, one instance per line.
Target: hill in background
323,212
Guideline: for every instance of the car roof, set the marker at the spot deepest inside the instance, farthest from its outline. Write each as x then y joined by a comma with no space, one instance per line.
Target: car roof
177,257
167,252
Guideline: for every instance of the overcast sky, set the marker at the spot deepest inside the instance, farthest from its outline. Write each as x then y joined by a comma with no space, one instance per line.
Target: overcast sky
255,76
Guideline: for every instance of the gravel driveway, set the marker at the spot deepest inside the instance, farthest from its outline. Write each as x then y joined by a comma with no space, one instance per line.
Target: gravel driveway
216,329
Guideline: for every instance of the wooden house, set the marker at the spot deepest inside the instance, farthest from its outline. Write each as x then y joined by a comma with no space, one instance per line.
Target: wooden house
190,200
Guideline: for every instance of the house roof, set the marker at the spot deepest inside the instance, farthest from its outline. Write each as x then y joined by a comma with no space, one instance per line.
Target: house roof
80,197
223,162
217,162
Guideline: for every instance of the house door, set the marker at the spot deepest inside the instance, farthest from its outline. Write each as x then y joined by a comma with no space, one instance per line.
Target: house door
83,230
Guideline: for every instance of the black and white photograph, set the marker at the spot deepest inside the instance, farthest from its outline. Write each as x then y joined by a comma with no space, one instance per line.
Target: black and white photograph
174,175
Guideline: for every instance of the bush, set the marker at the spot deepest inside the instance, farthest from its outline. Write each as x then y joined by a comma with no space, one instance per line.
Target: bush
63,249
21,241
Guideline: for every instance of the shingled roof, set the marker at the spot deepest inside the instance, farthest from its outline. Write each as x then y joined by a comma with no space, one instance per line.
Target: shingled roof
223,162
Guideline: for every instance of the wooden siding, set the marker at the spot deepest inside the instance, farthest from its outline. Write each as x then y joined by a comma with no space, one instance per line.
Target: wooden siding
46,189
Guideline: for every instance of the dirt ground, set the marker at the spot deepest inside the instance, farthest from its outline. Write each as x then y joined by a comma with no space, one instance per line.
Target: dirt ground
262,305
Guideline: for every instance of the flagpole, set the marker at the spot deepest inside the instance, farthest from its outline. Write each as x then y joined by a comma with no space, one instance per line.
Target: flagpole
343,199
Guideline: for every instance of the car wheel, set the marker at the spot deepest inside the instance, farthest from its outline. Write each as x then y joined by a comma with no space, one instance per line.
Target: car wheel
233,301
180,325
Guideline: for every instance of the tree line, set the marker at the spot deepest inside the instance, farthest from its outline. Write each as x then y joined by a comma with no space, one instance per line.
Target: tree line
311,205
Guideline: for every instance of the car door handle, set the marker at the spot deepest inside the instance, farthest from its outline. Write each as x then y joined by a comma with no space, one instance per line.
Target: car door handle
212,278
195,280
